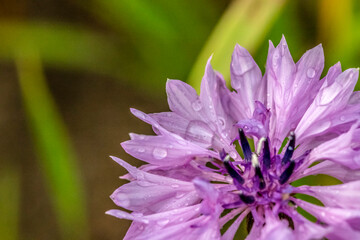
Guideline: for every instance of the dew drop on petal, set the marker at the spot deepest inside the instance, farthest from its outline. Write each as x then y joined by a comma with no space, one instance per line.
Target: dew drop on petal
233,155
310,73
221,122
141,150
123,200
179,195
175,185
196,105
159,153
163,222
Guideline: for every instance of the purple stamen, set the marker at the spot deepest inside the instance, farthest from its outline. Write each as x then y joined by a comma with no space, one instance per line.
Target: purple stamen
289,150
245,145
261,178
287,173
247,199
232,171
266,154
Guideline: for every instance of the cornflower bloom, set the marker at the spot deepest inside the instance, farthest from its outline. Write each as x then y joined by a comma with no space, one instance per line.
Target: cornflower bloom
203,176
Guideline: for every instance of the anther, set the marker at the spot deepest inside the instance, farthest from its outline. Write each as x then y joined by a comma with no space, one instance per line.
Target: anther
266,154
245,145
287,173
258,173
231,170
289,150
261,177
247,199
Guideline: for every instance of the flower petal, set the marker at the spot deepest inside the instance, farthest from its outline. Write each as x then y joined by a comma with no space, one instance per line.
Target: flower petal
275,229
246,78
183,99
149,192
214,95
343,150
333,169
345,195
332,98
332,216
165,150
280,72
172,122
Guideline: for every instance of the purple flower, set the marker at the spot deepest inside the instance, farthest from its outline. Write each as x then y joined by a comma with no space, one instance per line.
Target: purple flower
203,177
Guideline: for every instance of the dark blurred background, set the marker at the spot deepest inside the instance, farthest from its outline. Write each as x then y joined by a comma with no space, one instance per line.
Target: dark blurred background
70,71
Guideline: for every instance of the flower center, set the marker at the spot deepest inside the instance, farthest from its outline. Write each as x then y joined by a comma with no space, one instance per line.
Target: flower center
260,182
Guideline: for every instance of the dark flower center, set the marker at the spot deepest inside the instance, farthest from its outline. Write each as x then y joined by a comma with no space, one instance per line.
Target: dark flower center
260,181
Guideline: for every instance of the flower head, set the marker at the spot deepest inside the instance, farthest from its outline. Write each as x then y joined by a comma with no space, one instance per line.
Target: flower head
204,176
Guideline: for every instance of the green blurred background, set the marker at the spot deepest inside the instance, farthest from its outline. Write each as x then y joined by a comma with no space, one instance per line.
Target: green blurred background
70,70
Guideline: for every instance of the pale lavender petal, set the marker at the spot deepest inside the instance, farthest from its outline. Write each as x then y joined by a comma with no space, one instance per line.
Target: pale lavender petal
150,192
342,231
213,89
333,169
231,231
331,99
343,149
280,72
345,195
332,216
164,150
255,232
246,78
172,122
159,220
183,99
305,86
276,229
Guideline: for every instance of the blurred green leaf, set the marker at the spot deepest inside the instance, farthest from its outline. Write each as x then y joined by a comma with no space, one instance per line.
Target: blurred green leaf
63,46
336,29
57,159
166,35
9,202
245,22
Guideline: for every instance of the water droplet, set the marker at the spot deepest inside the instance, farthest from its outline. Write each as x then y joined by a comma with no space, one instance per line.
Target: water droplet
310,73
122,199
342,118
141,150
233,155
163,222
179,195
159,153
200,133
144,183
175,185
197,105
221,122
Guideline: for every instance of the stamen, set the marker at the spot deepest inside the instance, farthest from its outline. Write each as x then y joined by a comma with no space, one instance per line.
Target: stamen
289,150
287,173
245,145
247,199
261,177
231,170
266,154
258,173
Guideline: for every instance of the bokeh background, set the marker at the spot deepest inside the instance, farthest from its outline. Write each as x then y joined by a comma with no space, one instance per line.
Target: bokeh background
70,70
